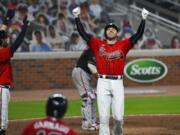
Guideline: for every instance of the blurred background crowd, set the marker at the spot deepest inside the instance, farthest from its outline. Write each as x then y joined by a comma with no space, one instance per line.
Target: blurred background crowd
52,26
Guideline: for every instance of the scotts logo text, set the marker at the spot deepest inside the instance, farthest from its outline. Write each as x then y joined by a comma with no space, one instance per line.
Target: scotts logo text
145,70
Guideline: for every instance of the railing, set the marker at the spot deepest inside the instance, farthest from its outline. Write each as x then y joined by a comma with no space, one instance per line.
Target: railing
163,29
123,10
114,6
173,2
155,18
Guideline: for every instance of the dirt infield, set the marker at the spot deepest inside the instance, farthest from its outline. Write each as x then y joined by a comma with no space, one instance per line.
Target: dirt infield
73,94
134,125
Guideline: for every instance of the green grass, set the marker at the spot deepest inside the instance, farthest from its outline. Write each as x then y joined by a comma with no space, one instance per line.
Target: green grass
26,109
153,105
36,109
133,105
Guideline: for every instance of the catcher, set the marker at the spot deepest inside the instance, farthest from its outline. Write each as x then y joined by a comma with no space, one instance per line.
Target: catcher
82,78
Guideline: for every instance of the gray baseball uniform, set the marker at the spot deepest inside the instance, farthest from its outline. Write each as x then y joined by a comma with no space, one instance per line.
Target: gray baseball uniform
82,78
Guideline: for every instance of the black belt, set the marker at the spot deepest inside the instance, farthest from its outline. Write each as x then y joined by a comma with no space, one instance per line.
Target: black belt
113,77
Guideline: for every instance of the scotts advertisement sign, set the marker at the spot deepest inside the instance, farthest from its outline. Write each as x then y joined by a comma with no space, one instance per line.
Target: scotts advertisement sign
145,70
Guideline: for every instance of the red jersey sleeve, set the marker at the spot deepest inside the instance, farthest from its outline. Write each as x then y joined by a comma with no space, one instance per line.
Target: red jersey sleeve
5,54
94,44
126,45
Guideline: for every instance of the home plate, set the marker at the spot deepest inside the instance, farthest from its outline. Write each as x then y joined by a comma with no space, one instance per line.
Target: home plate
142,91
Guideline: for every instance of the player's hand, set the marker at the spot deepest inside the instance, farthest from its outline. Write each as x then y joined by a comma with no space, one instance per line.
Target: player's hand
144,13
76,11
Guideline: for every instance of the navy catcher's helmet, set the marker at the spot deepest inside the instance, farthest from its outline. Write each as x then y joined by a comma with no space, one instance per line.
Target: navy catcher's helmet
109,26
56,106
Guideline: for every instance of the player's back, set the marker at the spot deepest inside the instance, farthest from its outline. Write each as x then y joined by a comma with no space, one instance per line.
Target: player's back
48,126
83,60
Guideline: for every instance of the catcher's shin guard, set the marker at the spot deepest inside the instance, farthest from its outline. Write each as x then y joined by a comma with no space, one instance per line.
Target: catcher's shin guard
88,111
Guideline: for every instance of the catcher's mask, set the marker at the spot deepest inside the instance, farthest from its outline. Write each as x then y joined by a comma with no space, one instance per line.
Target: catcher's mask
56,106
110,25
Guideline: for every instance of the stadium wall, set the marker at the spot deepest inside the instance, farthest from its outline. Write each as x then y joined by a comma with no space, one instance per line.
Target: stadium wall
35,71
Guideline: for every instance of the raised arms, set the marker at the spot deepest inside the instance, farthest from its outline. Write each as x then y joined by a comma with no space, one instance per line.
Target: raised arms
20,37
76,12
134,38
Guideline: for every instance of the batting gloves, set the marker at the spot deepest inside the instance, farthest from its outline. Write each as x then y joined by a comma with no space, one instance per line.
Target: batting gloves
144,13
76,12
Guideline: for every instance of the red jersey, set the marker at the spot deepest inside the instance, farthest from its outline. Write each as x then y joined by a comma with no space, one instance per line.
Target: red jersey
48,126
5,67
110,59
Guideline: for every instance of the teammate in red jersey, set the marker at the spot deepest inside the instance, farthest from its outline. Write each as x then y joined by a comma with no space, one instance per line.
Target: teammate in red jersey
110,59
51,125
6,77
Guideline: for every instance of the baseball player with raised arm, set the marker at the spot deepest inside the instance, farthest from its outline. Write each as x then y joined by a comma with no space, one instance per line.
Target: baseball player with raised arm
110,56
6,77
53,124
82,78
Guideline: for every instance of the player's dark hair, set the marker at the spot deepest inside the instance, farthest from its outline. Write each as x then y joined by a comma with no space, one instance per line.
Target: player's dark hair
56,106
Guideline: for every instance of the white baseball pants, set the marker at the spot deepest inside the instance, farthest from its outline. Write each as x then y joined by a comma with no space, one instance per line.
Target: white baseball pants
4,102
109,93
